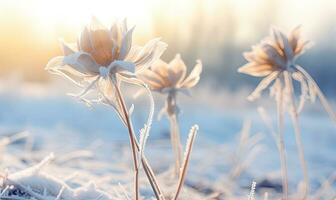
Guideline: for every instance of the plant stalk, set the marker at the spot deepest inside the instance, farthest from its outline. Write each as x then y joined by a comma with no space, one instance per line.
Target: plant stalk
183,171
172,112
135,145
281,143
132,142
297,130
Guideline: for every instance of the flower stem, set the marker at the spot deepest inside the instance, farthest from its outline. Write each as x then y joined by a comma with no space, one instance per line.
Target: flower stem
183,171
297,130
174,131
281,144
131,136
135,145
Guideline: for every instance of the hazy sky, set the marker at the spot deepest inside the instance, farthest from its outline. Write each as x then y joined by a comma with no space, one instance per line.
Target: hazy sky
30,29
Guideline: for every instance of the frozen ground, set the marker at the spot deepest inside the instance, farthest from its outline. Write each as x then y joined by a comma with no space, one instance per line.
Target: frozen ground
57,123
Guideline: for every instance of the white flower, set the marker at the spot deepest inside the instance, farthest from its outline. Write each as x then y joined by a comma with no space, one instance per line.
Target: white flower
103,57
274,54
275,60
165,77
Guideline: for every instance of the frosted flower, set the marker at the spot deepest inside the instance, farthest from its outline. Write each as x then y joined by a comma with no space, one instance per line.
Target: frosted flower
274,54
167,77
102,57
275,59
170,78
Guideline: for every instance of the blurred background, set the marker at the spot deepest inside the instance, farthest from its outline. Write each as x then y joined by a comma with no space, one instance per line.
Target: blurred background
216,31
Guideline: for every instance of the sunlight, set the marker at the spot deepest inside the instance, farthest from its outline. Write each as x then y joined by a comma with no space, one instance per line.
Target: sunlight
51,15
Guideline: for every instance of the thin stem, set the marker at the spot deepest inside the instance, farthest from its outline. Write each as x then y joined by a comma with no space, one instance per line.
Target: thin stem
183,170
148,170
297,130
132,141
281,143
174,131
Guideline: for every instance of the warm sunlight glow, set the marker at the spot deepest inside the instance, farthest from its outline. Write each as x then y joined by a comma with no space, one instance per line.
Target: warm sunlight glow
50,15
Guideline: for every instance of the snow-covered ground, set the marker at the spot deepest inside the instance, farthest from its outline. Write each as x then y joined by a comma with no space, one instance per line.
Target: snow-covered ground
57,123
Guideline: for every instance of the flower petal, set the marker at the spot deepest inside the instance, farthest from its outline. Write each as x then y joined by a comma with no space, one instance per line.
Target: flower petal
67,49
160,67
120,66
273,56
254,69
56,66
126,44
294,37
116,33
82,62
193,77
148,54
283,43
151,78
102,46
177,70
133,53
262,86
85,43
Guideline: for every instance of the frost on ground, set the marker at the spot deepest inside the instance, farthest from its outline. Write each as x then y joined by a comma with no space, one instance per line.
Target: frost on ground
92,158
81,175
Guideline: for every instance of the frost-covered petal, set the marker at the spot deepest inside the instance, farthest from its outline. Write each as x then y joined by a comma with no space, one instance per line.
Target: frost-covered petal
133,52
151,78
116,33
294,37
262,86
126,44
68,49
120,66
193,77
177,70
273,56
257,55
56,66
160,67
107,90
84,42
102,43
286,46
254,69
148,54
82,62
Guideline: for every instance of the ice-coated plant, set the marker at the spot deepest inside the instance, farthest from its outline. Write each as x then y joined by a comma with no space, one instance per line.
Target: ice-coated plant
171,78
274,58
100,60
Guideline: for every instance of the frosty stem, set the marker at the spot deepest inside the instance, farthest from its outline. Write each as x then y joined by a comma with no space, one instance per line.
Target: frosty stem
297,130
132,141
136,148
280,141
172,112
183,171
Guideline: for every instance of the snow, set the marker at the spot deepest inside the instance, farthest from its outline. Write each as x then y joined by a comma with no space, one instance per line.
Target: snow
92,157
